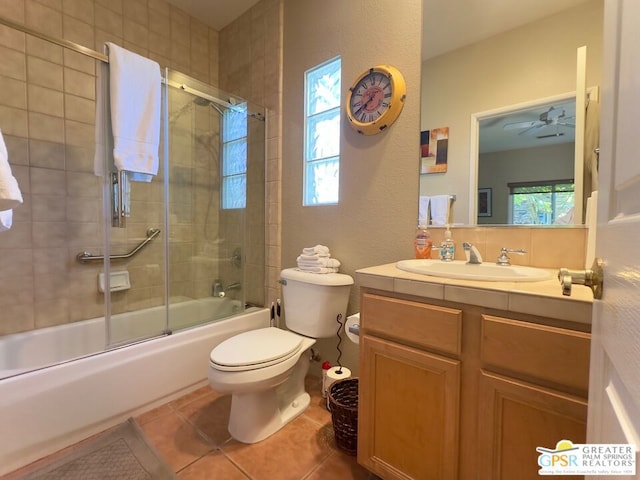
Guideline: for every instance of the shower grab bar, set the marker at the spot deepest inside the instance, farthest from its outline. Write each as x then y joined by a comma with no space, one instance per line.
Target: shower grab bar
85,257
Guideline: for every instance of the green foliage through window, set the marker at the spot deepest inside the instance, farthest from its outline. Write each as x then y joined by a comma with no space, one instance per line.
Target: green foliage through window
542,203
322,133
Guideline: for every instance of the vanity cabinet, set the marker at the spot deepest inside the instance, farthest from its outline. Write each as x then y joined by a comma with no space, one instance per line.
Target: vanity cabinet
456,391
532,393
409,389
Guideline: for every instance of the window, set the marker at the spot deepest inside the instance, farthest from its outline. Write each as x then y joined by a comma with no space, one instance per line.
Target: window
322,134
542,203
234,157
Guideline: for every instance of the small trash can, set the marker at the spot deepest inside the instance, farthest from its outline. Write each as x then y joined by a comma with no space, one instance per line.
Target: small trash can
343,404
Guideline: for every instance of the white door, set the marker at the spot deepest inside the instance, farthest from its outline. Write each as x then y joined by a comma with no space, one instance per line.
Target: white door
614,396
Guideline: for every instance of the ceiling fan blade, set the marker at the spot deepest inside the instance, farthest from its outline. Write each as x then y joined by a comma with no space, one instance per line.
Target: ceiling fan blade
532,130
517,125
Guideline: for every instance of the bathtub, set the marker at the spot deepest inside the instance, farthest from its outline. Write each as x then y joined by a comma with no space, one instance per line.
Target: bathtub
47,409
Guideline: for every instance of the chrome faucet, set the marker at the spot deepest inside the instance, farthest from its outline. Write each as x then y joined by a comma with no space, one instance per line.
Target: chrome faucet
216,289
504,259
472,253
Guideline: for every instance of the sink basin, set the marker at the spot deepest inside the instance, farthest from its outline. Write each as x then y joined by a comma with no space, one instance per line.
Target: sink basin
488,272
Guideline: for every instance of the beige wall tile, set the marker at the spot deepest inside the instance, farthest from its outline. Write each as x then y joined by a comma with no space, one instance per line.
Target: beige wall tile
80,84
13,64
17,290
49,234
46,154
53,312
47,261
80,62
79,9
17,148
13,93
12,38
48,208
44,73
79,109
13,10
43,49
77,31
13,121
136,34
44,19
83,185
79,159
108,20
46,127
17,318
44,100
18,264
45,181
50,286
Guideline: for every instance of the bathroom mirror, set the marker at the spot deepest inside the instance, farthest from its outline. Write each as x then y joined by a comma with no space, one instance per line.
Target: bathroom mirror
516,70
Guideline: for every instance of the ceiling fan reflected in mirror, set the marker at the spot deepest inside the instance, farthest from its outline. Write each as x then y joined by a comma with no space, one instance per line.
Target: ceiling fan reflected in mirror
554,116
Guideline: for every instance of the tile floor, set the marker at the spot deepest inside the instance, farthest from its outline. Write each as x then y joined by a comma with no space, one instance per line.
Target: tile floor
191,435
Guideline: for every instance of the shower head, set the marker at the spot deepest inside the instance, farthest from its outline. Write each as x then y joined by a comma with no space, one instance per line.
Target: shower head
201,101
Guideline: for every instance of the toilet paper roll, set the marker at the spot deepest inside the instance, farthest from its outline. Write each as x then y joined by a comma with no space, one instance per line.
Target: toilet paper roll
352,320
333,376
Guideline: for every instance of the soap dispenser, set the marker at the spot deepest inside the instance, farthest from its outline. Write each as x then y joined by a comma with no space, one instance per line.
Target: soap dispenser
422,242
447,247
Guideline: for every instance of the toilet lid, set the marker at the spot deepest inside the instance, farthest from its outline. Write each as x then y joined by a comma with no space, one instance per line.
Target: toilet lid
255,349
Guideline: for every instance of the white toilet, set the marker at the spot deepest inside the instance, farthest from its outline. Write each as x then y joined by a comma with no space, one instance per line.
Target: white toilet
264,369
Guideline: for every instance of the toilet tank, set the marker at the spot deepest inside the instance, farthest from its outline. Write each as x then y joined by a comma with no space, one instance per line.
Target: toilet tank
312,301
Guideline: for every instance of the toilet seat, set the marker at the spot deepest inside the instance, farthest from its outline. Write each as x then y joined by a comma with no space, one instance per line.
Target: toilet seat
255,349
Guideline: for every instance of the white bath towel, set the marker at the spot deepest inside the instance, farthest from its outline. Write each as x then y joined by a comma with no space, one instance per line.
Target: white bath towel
6,220
319,269
423,210
439,209
10,195
305,261
318,262
135,94
317,250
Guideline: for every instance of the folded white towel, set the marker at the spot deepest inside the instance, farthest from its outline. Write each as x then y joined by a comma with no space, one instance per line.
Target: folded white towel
423,209
317,250
303,261
312,258
6,220
135,93
10,195
319,269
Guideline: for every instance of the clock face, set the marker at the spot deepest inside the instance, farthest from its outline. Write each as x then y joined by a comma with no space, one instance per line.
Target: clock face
376,99
370,97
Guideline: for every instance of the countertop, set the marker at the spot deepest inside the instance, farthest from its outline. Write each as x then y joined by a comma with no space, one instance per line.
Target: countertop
542,298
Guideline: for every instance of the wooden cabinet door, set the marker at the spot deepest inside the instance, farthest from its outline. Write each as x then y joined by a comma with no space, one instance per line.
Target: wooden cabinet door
408,412
516,417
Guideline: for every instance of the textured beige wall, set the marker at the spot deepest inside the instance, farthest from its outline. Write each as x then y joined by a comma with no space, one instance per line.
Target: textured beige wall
375,219
531,62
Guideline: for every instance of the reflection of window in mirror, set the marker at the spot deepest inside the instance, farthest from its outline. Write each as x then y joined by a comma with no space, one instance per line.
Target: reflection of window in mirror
541,203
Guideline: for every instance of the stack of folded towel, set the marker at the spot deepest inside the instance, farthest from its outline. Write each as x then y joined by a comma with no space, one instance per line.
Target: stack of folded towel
317,260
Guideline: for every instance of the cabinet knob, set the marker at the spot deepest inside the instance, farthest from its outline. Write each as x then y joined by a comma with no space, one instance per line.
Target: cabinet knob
592,278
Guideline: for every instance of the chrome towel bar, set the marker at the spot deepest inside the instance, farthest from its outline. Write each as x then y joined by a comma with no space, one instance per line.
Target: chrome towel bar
85,257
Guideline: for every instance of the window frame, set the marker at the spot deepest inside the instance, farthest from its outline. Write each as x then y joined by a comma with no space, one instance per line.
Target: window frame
307,162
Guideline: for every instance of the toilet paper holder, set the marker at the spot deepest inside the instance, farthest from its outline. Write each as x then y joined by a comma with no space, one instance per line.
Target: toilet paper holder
355,329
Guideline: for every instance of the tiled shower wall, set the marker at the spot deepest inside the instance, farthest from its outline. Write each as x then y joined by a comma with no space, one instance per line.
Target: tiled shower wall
47,114
251,66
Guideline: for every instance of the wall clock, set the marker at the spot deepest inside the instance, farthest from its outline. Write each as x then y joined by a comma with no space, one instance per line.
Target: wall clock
376,99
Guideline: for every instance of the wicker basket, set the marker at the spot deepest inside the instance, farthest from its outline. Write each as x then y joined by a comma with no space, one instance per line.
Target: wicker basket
343,404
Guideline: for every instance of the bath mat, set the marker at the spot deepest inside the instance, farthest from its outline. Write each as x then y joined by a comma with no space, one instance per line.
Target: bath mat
121,454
